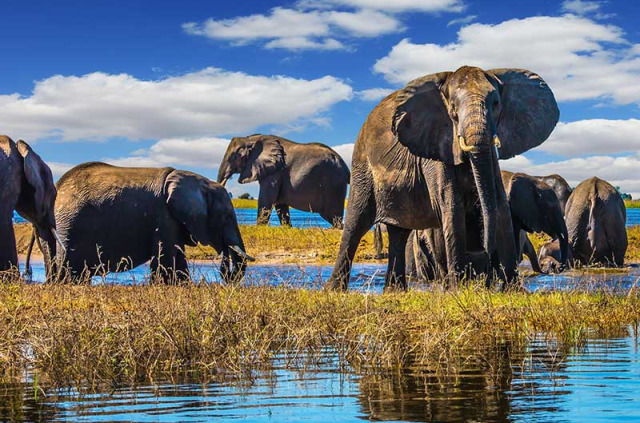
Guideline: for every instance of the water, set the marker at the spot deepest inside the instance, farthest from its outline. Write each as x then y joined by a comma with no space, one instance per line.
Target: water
301,219
538,382
367,277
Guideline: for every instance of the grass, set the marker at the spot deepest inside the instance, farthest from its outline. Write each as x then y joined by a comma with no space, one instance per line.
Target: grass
632,204
268,244
239,203
125,335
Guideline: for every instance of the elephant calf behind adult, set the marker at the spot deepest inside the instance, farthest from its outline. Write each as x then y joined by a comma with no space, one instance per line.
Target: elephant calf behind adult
115,218
596,221
309,177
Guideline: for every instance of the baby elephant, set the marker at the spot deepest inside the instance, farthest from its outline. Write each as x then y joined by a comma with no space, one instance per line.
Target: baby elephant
596,221
113,219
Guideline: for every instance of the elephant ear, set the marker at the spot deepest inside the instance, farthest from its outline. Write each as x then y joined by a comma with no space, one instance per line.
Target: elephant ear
529,111
39,177
421,121
187,203
266,157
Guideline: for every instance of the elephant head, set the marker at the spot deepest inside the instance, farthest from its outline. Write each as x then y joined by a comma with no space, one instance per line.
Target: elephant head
477,116
254,157
536,208
204,208
36,201
549,257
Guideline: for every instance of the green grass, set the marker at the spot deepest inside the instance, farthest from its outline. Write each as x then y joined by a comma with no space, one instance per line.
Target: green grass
244,204
632,204
125,335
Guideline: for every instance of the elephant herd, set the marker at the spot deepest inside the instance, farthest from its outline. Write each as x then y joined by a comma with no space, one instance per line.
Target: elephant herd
425,164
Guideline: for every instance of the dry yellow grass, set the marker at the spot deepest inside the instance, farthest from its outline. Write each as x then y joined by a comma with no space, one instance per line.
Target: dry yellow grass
239,203
87,336
269,244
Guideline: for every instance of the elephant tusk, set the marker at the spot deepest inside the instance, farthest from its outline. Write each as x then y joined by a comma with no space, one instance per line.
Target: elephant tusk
239,251
224,181
463,145
57,237
496,141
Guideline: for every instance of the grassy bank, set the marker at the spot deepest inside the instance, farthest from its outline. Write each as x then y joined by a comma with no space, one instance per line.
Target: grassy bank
86,336
268,244
244,204
632,204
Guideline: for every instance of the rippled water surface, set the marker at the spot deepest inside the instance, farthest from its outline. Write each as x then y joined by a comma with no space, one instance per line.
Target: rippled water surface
300,219
537,383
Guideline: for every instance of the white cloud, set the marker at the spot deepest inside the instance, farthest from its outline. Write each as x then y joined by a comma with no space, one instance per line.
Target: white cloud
462,21
209,102
395,6
346,151
178,152
58,169
618,171
293,29
594,136
578,57
374,94
580,7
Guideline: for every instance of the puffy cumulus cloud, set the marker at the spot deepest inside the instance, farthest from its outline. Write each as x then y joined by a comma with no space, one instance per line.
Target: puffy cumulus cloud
578,57
293,29
618,171
346,152
212,101
374,94
317,24
203,152
595,136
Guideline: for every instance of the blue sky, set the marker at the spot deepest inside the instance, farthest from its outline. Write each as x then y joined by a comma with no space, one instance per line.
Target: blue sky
168,83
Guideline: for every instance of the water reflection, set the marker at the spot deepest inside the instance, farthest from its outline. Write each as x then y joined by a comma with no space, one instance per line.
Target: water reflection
540,381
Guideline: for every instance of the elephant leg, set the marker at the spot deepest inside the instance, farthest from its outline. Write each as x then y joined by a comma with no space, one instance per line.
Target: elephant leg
529,251
8,253
267,198
361,215
505,263
283,214
172,267
396,278
378,244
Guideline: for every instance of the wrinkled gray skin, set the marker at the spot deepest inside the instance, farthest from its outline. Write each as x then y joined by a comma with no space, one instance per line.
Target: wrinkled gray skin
113,219
426,152
534,208
309,177
560,187
549,257
596,221
27,187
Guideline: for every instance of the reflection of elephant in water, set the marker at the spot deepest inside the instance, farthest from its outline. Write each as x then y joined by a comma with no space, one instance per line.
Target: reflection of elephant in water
560,187
309,177
428,149
596,221
534,208
27,187
115,218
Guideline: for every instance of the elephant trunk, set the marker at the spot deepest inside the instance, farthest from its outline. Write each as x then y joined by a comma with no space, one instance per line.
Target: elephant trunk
478,144
234,257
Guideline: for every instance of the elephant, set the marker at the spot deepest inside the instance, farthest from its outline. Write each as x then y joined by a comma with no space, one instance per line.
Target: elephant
113,219
560,187
534,207
596,222
309,177
28,188
427,152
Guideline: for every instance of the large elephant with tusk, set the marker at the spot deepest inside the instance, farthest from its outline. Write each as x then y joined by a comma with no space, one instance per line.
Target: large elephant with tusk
114,218
28,188
427,157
